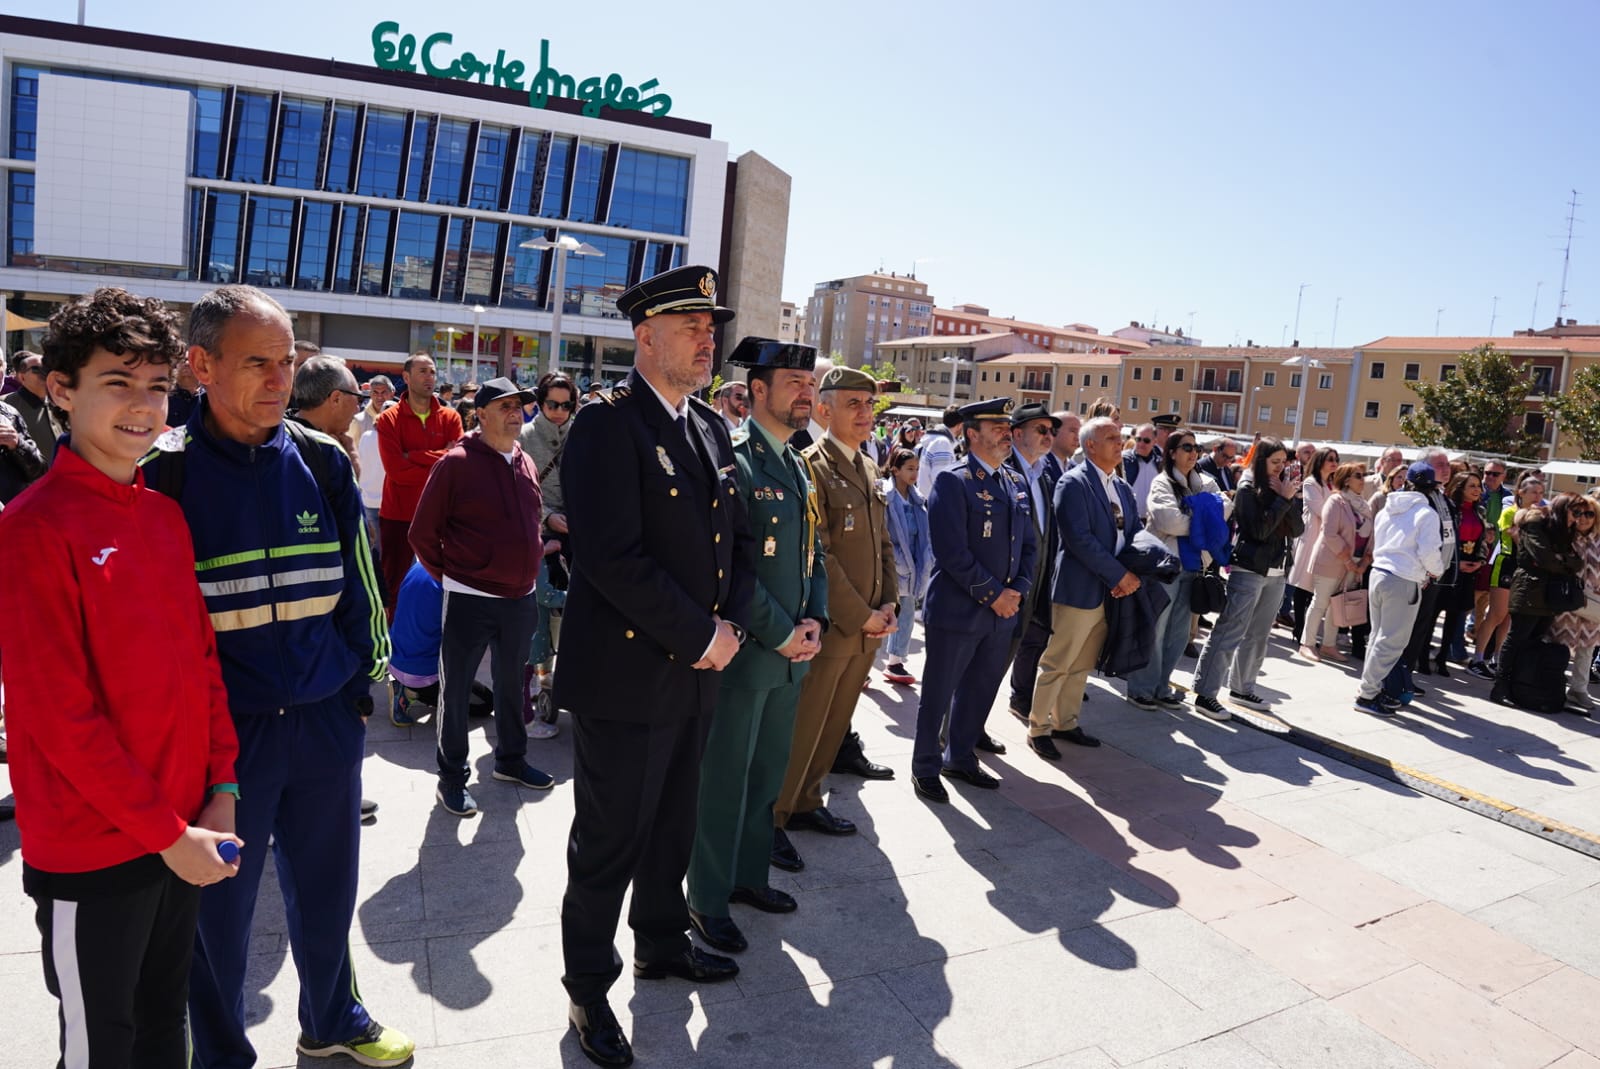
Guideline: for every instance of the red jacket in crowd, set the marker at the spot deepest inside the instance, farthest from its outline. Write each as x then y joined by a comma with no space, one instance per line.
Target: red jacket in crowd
410,446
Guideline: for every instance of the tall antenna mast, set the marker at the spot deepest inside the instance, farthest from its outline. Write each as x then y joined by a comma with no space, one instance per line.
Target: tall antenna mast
1566,257
1533,320
1334,333
1494,312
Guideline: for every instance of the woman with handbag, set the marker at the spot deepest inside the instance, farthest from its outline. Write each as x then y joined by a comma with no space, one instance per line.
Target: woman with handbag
1579,631
1338,558
1547,583
1472,535
1315,491
1490,631
1267,506
1189,513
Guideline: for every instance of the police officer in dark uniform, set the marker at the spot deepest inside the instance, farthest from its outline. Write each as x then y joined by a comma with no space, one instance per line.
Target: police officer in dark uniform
980,523
748,750
662,572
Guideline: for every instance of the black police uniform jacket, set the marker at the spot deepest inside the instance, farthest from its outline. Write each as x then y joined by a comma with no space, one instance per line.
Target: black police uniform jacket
660,542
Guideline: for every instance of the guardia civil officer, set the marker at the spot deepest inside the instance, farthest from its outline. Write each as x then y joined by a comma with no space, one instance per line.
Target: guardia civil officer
662,567
748,749
981,526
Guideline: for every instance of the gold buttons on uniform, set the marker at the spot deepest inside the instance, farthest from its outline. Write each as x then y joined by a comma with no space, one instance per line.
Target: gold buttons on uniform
717,537
628,633
673,491
719,573
774,519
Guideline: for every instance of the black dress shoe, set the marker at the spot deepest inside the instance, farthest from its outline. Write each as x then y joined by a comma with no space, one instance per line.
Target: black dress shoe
693,964
930,788
719,932
1041,745
819,819
784,855
860,766
1076,736
988,744
1027,718
368,807
599,1034
977,777
766,899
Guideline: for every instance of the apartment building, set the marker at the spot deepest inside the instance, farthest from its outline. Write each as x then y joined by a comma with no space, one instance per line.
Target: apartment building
943,367
1063,381
852,316
966,319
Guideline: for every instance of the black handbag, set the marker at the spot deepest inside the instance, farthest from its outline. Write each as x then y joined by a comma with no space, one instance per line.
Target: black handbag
1208,593
1564,593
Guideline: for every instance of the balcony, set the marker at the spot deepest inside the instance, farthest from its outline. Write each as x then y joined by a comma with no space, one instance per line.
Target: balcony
1036,383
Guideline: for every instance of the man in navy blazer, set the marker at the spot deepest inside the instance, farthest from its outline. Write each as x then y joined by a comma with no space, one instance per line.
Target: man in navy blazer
1096,517
981,528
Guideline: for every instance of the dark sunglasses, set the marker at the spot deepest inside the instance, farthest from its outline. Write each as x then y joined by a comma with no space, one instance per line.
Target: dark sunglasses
1186,447
1581,512
1044,430
33,369
568,405
1146,441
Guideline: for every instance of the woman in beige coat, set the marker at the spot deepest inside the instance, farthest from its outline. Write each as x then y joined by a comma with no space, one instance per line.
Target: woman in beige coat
1337,557
1314,491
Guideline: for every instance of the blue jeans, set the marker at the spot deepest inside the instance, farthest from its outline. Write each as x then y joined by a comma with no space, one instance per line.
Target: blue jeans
1171,636
897,645
1238,640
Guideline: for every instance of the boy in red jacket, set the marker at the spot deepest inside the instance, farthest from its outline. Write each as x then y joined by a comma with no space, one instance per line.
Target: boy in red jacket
121,745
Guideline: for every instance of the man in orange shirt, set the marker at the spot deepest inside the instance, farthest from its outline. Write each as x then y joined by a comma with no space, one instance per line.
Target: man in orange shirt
412,436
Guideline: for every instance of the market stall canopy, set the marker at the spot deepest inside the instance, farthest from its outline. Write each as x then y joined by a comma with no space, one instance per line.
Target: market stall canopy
16,322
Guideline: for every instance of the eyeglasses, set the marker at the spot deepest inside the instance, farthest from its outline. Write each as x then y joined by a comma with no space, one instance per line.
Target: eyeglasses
1146,441
1494,475
33,369
1581,513
558,405
348,393
1186,447
1044,431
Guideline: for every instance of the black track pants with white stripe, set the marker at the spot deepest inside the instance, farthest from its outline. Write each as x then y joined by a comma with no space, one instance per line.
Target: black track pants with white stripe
119,966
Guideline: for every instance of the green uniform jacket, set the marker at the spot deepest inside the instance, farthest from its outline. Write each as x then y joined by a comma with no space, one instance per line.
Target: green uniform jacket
791,580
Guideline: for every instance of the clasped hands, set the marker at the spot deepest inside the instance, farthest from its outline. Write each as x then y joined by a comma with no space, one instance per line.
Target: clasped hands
882,622
805,641
723,646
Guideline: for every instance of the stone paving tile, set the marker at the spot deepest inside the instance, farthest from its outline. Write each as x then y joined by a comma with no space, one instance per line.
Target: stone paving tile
1566,1003
1218,1052
1224,821
1456,869
1312,946
1575,1060
1342,888
1449,1027
1088,1058
1204,888
1318,1035
1462,949
1329,819
1562,928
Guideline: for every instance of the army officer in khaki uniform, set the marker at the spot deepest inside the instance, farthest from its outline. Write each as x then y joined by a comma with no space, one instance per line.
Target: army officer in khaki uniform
862,600
748,750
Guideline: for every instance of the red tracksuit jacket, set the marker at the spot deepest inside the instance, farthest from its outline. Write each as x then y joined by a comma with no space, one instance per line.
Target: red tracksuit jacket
116,716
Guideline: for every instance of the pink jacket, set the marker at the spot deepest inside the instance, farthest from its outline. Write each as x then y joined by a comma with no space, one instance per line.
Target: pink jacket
1337,538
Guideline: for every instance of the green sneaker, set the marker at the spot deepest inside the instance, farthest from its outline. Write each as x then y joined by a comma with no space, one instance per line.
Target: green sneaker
377,1046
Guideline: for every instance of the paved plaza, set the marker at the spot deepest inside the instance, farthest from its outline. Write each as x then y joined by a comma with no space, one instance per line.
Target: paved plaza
1191,894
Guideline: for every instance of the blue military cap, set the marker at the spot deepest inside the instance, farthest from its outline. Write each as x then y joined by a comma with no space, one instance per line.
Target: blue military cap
995,408
755,352
681,291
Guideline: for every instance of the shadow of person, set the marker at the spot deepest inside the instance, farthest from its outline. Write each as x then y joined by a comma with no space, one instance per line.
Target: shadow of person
468,891
1451,726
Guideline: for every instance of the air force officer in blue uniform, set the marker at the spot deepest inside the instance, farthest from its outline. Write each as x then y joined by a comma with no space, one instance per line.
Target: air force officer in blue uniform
980,523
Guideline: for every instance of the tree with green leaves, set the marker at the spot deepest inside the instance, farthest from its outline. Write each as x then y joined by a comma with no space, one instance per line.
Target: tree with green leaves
1577,412
1478,408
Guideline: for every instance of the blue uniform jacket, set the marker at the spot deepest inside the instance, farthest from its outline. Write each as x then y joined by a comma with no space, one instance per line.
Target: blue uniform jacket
1086,564
287,573
984,542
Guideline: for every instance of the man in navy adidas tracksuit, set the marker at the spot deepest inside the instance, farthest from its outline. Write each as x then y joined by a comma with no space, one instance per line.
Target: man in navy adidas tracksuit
283,562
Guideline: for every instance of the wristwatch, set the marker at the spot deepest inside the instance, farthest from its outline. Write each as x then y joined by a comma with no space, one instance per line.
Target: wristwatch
738,632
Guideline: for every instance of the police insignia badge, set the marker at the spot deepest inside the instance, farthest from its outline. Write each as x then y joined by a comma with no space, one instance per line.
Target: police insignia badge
666,461
708,285
769,548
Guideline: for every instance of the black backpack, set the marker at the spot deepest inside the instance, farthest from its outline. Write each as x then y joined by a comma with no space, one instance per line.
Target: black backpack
171,469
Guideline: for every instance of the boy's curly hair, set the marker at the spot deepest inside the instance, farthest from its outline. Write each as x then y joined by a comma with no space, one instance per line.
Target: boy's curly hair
141,328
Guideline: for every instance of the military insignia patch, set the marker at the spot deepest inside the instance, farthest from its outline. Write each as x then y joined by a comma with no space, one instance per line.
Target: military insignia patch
708,286
666,461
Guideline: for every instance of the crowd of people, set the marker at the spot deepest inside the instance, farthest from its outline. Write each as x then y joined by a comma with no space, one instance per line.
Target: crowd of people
231,539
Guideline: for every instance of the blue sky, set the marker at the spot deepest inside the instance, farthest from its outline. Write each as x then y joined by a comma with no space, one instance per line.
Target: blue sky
1103,162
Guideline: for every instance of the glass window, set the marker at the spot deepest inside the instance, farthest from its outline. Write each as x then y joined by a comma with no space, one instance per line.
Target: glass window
489,167
450,147
553,201
1294,381
342,150
266,260
451,269
208,121
1289,415
375,251
526,177
1105,380
1406,408
416,249
19,220
586,183
316,246
1233,381
1269,378
421,152
382,144
1325,381
1413,372
1264,414
1205,412
299,143
524,269
252,126
197,216
1133,404
1445,371
594,282
480,262
650,191
24,112
1376,371
344,263
1371,410
1138,373
1155,374
1543,380
1230,413
660,256
1319,418
224,225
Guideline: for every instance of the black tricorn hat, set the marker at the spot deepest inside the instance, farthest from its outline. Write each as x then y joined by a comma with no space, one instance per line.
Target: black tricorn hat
755,352
681,291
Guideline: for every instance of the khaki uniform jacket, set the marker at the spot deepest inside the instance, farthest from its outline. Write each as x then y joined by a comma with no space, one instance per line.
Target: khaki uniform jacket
855,536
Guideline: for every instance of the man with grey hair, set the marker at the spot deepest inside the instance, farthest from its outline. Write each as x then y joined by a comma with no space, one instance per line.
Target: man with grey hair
326,398
1096,516
1141,465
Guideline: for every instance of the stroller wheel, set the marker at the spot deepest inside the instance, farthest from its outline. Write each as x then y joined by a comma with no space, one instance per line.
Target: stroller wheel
545,707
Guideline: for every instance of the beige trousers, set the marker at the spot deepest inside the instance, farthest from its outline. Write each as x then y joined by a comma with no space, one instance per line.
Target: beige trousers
1075,641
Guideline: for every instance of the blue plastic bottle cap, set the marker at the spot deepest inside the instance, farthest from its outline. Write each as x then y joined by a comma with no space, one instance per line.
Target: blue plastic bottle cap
228,851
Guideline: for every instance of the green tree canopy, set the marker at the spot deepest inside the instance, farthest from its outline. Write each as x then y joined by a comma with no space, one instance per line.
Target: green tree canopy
1577,411
1478,408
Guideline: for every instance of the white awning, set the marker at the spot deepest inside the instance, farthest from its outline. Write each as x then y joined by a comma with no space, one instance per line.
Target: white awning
1591,468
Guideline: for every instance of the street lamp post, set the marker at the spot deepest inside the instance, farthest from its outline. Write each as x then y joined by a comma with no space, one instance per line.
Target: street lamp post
562,245
1254,410
477,326
1306,366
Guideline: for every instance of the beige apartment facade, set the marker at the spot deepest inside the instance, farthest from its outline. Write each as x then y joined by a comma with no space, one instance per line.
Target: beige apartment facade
943,367
853,316
1062,381
968,319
